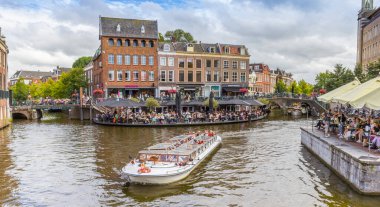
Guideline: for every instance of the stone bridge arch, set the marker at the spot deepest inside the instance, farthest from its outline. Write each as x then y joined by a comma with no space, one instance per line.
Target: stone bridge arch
20,115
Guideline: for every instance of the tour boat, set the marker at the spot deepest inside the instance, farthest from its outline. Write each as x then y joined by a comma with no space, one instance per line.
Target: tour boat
171,161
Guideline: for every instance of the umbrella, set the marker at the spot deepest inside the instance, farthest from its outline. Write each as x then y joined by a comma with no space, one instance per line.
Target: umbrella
211,102
343,89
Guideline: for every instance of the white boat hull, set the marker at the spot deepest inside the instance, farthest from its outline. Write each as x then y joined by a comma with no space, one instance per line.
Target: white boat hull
170,177
296,112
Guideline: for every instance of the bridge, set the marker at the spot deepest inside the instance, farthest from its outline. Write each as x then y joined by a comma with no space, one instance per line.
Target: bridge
286,101
36,111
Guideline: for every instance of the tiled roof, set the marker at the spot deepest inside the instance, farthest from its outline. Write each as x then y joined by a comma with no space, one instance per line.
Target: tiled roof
30,74
133,28
198,47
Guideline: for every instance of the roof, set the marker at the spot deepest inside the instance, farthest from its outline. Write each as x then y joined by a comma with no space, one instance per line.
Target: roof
202,47
133,28
30,74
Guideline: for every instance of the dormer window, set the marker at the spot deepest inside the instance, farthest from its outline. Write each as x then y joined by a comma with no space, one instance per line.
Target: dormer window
190,48
227,50
166,47
212,49
142,29
241,51
118,28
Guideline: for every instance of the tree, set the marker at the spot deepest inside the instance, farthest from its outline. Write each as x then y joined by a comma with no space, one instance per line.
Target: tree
161,37
304,87
151,102
69,82
358,72
20,90
215,103
332,80
82,62
293,88
373,70
179,35
280,87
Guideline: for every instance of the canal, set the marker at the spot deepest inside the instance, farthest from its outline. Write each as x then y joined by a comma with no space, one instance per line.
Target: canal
59,162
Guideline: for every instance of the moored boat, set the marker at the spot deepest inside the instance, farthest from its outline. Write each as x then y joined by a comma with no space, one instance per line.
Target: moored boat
296,112
171,161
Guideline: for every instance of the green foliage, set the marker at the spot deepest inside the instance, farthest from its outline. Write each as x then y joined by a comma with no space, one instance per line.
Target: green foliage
293,88
358,72
263,101
135,99
280,87
304,87
179,35
69,82
82,62
161,37
332,80
151,102
214,103
20,90
373,70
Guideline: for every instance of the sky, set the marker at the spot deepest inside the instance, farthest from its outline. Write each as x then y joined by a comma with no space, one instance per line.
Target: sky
303,37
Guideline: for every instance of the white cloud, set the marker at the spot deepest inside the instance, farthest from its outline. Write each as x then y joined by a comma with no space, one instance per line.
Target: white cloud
302,40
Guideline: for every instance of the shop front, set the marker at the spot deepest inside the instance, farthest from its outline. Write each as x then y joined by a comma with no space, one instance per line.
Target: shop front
192,90
131,91
234,89
214,88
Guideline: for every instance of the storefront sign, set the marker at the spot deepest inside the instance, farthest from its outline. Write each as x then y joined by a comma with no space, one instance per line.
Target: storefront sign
131,86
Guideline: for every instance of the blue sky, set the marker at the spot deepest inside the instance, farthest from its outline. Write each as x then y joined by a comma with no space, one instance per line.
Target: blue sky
302,37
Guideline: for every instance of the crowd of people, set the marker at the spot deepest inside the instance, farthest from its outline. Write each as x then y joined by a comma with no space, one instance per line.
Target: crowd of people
352,125
170,117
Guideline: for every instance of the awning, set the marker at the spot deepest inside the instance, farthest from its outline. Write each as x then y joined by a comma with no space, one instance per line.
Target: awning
232,89
338,91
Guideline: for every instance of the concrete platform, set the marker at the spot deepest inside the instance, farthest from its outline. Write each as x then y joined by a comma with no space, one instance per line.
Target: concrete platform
355,164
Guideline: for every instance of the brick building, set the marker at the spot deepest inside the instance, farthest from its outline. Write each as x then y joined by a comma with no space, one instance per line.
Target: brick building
263,78
199,68
4,94
126,62
29,76
368,42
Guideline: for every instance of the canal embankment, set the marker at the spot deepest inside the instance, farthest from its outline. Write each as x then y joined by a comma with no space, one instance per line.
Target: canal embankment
357,166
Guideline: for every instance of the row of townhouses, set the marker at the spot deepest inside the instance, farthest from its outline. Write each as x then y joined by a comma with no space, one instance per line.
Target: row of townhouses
4,93
130,61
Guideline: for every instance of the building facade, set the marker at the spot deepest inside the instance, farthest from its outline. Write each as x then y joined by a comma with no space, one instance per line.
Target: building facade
57,72
196,69
126,62
368,38
88,74
29,77
263,78
4,93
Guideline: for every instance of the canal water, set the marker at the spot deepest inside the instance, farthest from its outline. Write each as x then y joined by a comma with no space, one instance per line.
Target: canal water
58,162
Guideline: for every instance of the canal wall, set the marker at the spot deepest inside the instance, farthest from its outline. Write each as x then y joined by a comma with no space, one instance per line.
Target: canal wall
75,112
360,169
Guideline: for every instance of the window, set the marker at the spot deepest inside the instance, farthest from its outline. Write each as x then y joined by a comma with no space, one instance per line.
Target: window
143,60
127,43
208,63
225,76
143,75
216,63
212,49
242,77
110,42
256,67
135,43
234,76
135,60
170,61
234,64
151,75
119,59
166,47
111,74
163,76
227,50
143,43
127,75
119,75
243,65
110,59
190,76
171,76
119,42
216,76
208,76
135,75
199,63
181,76
151,60
199,76
190,63
151,43
181,63
225,64
127,60
163,61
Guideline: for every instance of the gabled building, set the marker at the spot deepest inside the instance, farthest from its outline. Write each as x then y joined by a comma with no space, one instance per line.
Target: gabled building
263,78
57,72
196,69
126,62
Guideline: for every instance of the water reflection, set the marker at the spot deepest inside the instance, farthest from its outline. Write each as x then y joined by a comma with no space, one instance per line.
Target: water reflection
58,161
